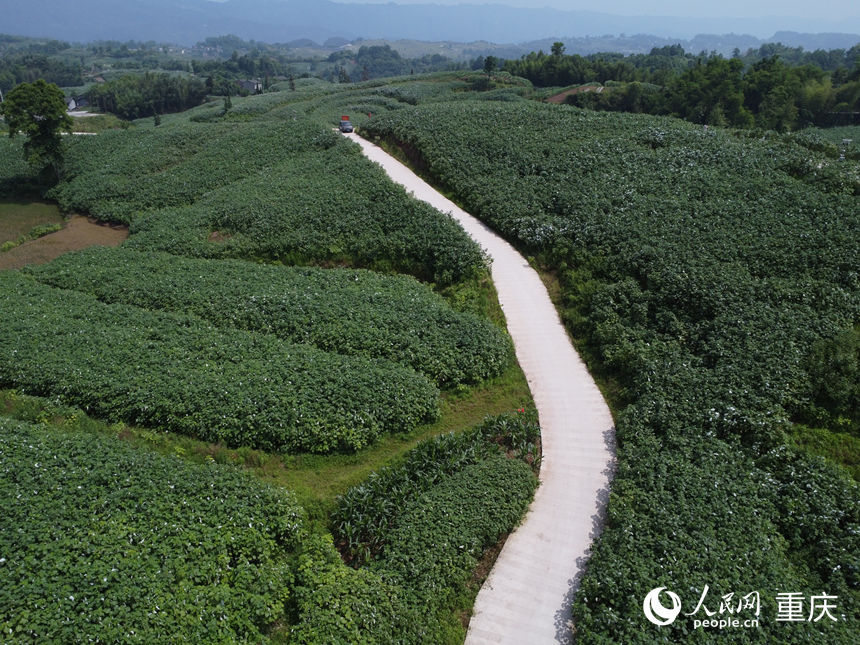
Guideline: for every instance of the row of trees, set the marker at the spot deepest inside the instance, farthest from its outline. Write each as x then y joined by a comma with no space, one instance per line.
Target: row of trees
768,93
133,97
662,64
26,68
380,61
252,64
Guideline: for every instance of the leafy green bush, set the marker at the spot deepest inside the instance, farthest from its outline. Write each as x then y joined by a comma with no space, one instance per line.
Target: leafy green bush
179,373
834,368
103,542
838,447
337,604
818,514
436,542
351,312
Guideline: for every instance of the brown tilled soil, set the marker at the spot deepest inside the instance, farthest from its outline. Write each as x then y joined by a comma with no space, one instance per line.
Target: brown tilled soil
79,233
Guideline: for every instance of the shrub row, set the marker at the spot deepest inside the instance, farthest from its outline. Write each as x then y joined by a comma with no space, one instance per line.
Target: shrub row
181,374
437,541
456,496
344,311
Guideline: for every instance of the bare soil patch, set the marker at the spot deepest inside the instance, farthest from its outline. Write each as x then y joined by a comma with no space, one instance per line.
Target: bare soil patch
218,236
79,233
560,97
19,217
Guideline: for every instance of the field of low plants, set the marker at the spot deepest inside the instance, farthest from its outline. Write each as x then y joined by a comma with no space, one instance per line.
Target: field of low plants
179,373
102,540
353,312
277,187
256,317
415,533
711,278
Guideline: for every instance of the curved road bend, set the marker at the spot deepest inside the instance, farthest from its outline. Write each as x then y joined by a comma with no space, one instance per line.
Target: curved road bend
527,597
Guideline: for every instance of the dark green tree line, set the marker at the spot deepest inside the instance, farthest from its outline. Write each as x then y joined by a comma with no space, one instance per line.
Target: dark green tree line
26,68
759,89
133,97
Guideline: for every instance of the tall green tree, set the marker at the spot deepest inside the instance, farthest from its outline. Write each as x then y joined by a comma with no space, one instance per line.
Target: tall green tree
38,111
490,64
711,93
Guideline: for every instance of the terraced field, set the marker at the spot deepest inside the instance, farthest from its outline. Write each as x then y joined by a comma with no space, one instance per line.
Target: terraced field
259,313
708,276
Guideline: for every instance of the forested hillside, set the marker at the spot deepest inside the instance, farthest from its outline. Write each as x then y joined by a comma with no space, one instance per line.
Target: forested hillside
773,87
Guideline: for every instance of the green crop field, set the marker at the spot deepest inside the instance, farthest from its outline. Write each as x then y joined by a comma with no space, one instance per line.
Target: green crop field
255,316
353,312
712,277
103,541
180,373
275,188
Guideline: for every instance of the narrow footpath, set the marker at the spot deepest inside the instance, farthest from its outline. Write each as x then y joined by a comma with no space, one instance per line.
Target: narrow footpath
526,600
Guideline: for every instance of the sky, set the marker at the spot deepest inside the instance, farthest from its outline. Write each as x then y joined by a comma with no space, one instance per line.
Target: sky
686,8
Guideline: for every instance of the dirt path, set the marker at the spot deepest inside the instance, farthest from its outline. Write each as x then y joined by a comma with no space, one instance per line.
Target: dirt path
561,96
526,599
79,233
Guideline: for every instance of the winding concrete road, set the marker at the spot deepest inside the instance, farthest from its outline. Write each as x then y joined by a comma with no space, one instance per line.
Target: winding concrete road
526,599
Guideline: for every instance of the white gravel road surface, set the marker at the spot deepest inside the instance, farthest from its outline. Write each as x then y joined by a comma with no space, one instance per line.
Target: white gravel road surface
526,599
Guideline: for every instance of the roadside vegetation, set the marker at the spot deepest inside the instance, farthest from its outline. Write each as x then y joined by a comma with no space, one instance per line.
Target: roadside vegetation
713,276
256,568
265,183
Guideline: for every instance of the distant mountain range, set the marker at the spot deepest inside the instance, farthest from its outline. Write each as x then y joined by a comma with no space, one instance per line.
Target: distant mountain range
277,21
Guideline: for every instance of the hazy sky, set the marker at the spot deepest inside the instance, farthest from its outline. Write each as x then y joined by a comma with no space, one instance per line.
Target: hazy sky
686,8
